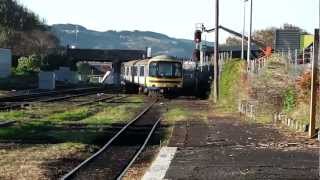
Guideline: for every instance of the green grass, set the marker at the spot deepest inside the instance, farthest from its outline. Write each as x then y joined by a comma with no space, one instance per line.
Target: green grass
28,130
109,115
12,115
72,115
178,113
56,127
229,85
136,99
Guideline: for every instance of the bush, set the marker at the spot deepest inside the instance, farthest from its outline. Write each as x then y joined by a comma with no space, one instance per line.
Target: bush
29,64
231,85
290,99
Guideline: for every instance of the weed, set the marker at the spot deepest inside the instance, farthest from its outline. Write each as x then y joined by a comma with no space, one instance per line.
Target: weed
290,98
110,115
12,115
230,84
73,115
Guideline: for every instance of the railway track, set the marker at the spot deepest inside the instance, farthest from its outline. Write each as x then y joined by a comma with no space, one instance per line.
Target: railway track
6,123
114,159
107,99
36,96
24,101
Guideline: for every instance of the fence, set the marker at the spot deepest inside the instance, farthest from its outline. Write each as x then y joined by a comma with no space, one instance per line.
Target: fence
295,61
294,64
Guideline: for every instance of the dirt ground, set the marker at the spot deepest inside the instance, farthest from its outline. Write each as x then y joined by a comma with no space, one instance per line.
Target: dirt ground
227,147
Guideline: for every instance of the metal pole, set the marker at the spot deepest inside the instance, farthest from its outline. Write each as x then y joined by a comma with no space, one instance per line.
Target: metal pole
216,54
295,61
250,34
303,56
244,28
313,102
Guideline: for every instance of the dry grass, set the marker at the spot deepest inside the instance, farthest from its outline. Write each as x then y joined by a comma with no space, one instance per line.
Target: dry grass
178,113
30,161
43,124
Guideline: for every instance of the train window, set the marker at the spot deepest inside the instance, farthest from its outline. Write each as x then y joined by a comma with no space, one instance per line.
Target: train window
127,71
141,70
165,69
153,69
177,70
135,71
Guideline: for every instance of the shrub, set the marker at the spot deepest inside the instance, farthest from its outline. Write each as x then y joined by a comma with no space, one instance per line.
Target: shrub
303,86
290,99
29,64
304,82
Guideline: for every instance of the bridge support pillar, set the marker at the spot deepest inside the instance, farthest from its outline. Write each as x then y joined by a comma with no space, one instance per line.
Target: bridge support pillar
116,71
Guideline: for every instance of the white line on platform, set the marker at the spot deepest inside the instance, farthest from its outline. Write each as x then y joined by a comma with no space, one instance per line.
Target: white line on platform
160,166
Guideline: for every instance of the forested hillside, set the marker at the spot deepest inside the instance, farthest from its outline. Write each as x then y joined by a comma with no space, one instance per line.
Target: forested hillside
23,31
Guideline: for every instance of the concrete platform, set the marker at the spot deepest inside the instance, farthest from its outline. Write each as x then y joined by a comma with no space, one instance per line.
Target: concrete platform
228,148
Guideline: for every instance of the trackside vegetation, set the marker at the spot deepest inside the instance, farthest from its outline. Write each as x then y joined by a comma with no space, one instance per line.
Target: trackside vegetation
231,85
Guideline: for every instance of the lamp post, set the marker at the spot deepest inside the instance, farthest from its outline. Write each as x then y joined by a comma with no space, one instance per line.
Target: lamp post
244,28
249,37
216,54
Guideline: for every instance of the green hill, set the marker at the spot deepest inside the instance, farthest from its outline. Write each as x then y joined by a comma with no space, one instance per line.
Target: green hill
89,39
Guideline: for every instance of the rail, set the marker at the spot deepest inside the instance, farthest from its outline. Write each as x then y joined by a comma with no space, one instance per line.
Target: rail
140,150
85,163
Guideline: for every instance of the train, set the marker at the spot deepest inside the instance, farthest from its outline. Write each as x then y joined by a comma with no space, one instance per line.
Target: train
158,75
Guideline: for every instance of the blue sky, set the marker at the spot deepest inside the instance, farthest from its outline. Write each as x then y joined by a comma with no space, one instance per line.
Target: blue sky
176,18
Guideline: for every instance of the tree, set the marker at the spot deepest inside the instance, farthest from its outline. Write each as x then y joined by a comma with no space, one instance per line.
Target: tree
233,41
32,42
22,31
265,36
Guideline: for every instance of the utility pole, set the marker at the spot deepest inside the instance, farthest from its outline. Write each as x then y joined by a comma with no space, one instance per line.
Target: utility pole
244,28
250,36
313,103
216,54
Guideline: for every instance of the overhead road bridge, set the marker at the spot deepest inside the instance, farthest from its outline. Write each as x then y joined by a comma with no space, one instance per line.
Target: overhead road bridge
105,55
116,56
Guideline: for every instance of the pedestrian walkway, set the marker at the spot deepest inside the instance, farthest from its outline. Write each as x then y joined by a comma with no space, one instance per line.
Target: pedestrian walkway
229,148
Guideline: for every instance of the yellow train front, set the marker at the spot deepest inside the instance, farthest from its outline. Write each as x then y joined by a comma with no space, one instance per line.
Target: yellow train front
161,74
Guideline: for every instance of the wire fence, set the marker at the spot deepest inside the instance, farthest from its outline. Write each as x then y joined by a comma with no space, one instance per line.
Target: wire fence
296,66
296,62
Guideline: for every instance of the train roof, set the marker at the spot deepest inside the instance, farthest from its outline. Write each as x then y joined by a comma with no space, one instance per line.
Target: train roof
137,62
156,58
164,58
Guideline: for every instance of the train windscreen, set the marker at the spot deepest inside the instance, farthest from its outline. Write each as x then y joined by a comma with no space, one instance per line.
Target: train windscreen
165,69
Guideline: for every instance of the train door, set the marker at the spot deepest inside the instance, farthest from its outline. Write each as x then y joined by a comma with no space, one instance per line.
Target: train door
135,75
142,75
131,74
